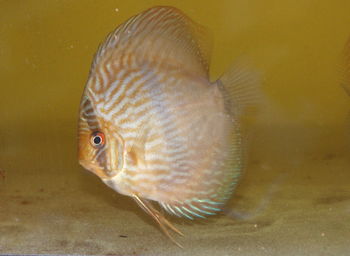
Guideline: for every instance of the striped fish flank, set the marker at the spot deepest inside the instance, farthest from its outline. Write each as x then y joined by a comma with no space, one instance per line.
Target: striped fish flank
153,127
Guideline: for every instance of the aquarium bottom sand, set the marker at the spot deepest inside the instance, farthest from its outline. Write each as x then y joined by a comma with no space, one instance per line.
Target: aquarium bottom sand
293,199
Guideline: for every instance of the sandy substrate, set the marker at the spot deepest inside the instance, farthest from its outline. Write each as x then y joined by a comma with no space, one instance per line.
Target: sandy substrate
292,200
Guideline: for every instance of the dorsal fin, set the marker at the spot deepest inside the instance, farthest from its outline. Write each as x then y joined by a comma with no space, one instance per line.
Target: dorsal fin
161,35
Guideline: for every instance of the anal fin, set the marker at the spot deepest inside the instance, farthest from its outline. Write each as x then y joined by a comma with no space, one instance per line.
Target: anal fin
164,224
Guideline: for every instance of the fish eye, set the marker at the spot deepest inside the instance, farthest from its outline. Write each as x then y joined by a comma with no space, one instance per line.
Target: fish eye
97,139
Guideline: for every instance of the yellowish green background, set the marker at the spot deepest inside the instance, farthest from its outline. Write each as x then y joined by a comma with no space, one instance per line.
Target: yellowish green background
47,48
297,182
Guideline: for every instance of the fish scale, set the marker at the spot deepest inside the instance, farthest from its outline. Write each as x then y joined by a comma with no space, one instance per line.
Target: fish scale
165,133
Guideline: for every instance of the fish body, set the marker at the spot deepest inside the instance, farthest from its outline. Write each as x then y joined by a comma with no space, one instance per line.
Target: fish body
153,127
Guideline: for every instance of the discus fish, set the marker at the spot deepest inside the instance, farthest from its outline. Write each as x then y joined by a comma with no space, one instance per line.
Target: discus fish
153,127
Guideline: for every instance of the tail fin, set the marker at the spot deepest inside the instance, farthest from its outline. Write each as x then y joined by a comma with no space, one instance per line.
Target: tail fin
241,88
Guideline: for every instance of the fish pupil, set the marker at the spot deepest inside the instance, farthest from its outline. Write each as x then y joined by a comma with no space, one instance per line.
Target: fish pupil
97,140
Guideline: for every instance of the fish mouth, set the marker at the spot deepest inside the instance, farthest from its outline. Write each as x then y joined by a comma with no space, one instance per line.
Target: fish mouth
95,168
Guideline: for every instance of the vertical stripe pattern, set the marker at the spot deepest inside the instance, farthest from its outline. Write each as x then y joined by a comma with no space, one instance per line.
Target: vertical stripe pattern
169,137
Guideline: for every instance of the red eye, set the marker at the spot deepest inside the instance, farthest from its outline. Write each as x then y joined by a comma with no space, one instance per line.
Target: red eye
97,139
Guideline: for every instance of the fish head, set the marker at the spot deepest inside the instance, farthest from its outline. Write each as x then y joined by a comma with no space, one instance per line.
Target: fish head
100,148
